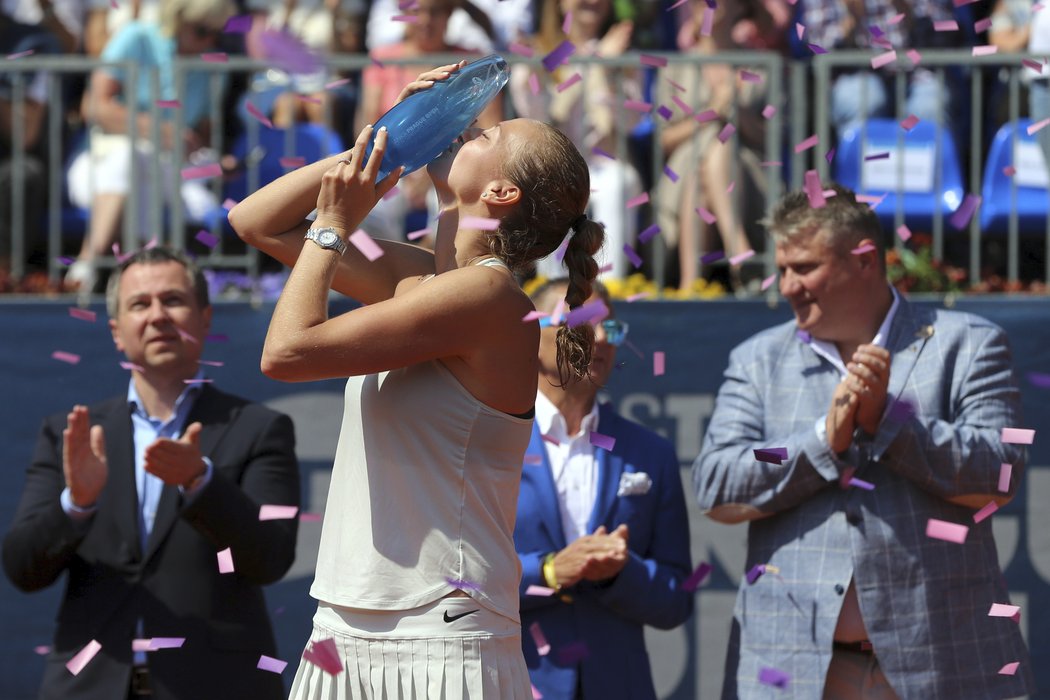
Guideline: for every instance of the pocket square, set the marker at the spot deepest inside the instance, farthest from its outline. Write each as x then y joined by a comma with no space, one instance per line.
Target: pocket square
634,484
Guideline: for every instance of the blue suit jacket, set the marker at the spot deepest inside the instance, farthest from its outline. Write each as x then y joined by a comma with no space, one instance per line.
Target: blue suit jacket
925,601
604,625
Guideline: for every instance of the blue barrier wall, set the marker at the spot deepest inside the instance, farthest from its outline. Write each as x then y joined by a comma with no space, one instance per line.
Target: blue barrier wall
696,339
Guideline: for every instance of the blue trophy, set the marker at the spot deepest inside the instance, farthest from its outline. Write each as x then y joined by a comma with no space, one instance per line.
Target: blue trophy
425,124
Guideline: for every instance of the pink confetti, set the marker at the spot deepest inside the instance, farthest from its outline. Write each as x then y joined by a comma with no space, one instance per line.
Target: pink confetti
882,59
638,106
726,133
706,215
539,590
1003,610
211,363
215,57
416,235
635,259
914,56
42,650
199,172
737,259
807,143
272,512
708,21
909,123
605,442
258,115
407,19
768,282
479,222
1009,171
337,83
197,381
130,366
591,312
228,203
986,50
82,314
533,315
640,295
749,77
67,357
569,82
904,232
982,25
655,61
225,558
1009,669
1005,470
946,25
140,645
985,512
708,115
641,199
323,654
292,162
1018,436
78,662
534,84
268,663
166,643
697,577
20,54
860,250
543,647
1032,65
186,336
949,532
364,243
769,111
170,104
309,517
1037,126
521,49
800,30
566,23
896,19
658,363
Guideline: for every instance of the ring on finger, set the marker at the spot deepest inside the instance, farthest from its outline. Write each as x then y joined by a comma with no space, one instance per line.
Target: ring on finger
345,160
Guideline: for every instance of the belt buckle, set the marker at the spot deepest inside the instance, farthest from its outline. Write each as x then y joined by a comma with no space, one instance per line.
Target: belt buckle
140,685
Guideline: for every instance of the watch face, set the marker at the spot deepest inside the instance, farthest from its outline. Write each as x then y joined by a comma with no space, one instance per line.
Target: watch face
328,238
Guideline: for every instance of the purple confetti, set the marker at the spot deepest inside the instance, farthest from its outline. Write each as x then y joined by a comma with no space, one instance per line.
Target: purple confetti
697,577
861,484
606,442
773,676
635,259
207,239
458,583
238,24
1039,379
605,154
901,410
709,258
559,55
755,573
648,234
961,218
817,49
878,156
726,133
830,155
217,338
288,53
590,312
773,455
665,112
268,663
708,115
573,653
671,174
804,336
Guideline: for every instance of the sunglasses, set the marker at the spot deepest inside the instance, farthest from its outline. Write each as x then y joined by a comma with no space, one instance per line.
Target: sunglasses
615,331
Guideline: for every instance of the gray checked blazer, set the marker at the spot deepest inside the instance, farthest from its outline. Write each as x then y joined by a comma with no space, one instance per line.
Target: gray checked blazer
925,601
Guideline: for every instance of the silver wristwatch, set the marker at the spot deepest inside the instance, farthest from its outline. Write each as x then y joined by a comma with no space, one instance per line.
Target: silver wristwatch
327,238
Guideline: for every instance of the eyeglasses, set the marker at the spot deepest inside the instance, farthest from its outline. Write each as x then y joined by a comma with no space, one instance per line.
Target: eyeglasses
615,331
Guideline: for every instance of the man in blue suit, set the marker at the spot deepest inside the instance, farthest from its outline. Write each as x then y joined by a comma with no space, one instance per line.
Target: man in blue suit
850,439
602,531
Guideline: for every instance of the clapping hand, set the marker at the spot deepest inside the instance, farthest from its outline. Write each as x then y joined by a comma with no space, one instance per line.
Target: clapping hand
83,458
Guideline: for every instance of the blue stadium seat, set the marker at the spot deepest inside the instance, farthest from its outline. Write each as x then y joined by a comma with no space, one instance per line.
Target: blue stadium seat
927,149
1030,179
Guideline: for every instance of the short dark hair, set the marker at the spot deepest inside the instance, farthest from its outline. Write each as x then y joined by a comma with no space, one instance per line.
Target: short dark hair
154,256
844,221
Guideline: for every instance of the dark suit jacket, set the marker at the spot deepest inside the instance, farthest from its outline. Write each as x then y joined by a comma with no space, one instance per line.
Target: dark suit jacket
174,587
596,632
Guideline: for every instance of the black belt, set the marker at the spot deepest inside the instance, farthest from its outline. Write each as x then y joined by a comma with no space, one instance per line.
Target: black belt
861,647
140,685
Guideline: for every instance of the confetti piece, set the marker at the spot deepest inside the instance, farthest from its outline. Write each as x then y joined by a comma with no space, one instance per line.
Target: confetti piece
461,583
640,295
965,212
66,260
772,455
140,644
658,364
1037,126
1009,171
217,338
534,84
199,172
169,104
536,694
708,21
949,532
1018,436
258,115
309,517
671,174
860,484
814,190
225,558
521,49
558,56
982,25
749,77
197,381
800,30
649,233
416,235
1038,379
681,105
42,650
737,259
638,106
20,54
407,19
773,676
215,57
769,111
268,663
238,24
714,256
904,232
909,123
726,133
697,577
323,654
543,647
877,156
228,203
212,363
82,314
817,49
1005,470
539,590
67,357
166,643
768,282
946,25
569,82
130,366
573,653
1032,65
364,243
655,61
605,442
533,315
986,50
882,59
207,239
287,52
272,512
706,215
985,512
591,312
1003,610
641,199
78,662
755,573
860,250
1009,669
664,112
914,56
635,259
532,459
292,162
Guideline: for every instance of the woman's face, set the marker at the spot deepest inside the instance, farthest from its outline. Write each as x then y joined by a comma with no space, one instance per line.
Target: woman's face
196,37
428,31
588,16
478,160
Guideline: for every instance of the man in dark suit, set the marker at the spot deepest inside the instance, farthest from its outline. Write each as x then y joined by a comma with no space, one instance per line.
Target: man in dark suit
603,525
136,497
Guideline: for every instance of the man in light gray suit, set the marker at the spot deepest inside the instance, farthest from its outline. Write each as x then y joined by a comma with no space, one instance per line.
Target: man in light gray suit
887,418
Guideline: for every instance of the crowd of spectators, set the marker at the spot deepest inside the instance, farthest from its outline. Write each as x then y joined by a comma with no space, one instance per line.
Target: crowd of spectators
707,126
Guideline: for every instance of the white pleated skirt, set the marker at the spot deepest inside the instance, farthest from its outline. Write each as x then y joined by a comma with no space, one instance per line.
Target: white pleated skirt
417,655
